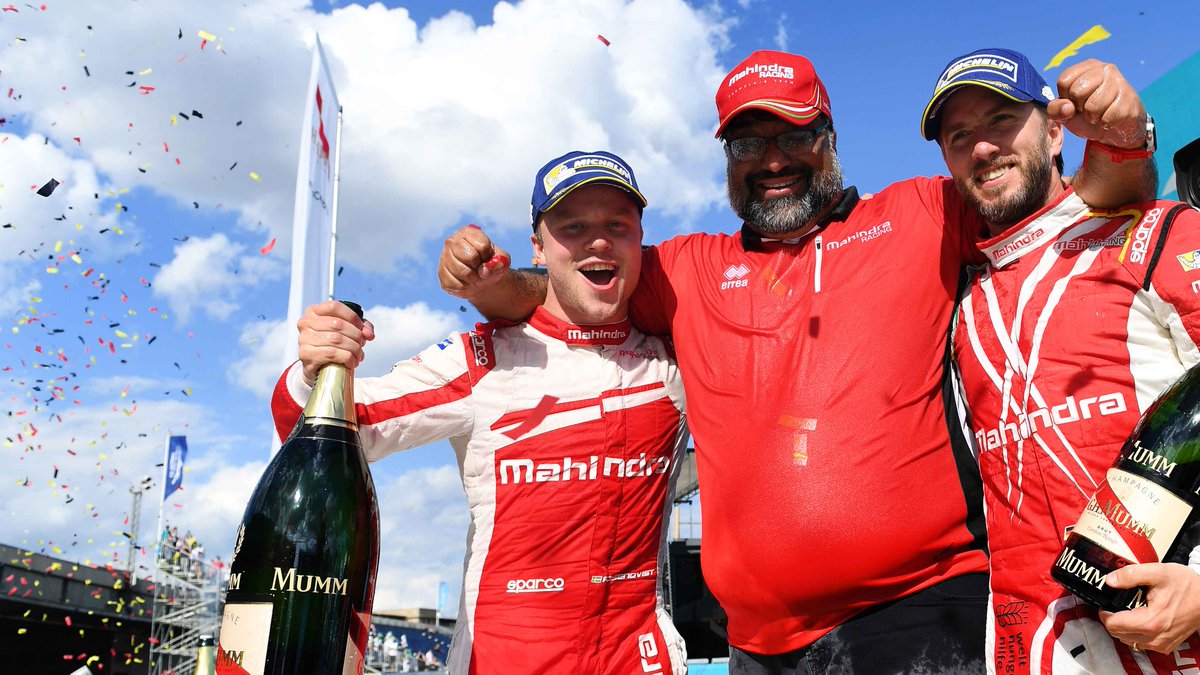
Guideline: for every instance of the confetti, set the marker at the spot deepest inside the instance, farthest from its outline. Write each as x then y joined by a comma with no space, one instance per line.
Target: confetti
1090,36
604,40
267,249
255,177
48,188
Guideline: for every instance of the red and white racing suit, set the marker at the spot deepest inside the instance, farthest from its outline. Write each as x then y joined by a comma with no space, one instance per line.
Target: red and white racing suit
568,441
1062,341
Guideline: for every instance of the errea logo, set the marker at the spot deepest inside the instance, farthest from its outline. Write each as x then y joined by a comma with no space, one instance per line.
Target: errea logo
734,277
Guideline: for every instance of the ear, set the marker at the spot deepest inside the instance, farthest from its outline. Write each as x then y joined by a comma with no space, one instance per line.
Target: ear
1054,131
539,252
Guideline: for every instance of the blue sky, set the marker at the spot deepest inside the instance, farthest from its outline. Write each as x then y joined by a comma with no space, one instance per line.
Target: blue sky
449,108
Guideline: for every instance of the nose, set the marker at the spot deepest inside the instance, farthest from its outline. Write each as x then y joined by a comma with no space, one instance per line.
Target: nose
600,242
774,158
984,150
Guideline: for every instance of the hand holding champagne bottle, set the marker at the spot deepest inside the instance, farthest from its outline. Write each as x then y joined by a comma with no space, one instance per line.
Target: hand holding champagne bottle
302,576
1149,498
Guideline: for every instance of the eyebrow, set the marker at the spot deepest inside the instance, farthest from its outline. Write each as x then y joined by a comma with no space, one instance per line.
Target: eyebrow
1000,105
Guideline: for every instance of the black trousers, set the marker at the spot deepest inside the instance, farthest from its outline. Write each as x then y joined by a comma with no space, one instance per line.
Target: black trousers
938,631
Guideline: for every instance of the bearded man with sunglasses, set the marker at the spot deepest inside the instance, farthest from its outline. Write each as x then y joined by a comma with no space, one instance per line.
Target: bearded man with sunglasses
843,528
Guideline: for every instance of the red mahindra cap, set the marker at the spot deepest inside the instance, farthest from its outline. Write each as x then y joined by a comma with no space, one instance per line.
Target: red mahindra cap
778,82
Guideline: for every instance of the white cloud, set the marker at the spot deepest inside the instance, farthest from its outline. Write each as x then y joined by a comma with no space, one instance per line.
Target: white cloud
400,333
208,274
68,483
781,33
443,122
423,532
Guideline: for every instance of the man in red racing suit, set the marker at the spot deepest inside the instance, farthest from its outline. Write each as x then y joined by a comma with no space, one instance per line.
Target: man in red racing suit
568,439
1076,323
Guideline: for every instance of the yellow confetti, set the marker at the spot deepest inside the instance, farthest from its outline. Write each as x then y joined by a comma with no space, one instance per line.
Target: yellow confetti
255,177
58,246
76,259
206,36
174,120
146,71
121,334
1090,36
22,631
51,270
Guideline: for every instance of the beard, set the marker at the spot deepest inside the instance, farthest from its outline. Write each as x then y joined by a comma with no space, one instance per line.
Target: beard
792,213
1028,197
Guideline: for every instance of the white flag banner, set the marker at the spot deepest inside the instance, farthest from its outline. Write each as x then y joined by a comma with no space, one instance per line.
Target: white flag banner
314,218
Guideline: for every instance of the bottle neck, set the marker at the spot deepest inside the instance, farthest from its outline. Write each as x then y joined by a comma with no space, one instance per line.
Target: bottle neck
332,399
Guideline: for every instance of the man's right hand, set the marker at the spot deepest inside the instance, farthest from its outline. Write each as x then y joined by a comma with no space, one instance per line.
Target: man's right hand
330,332
471,262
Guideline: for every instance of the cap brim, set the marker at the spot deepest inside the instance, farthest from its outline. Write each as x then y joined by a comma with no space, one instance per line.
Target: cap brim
935,103
800,114
599,179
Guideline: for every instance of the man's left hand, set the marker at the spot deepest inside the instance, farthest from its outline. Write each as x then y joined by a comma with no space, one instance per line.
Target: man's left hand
1172,611
1096,103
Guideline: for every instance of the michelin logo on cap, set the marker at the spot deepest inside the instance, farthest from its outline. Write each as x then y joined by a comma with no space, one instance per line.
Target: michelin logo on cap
981,62
569,168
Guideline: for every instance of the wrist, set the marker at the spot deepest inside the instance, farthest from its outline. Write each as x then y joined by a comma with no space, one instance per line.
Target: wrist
1118,155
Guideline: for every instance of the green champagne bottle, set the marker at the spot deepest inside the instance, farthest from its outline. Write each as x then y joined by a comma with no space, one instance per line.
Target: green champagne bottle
1146,503
206,663
302,577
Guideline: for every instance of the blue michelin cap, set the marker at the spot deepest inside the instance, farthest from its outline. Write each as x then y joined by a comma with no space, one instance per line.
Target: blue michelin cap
563,174
1004,71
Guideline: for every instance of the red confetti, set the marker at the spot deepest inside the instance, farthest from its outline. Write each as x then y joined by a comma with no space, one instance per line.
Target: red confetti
603,39
267,249
145,89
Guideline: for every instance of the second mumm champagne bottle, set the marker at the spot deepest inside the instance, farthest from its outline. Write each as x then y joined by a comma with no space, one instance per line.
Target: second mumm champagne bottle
302,576
1145,509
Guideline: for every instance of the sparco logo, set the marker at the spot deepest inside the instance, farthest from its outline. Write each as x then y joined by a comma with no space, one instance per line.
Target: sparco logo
1066,413
596,334
733,275
480,349
1141,236
536,585
1017,244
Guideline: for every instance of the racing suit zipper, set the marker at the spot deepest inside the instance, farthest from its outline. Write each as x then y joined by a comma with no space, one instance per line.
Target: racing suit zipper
817,267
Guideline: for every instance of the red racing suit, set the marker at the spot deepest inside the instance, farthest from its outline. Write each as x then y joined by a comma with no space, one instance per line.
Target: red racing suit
814,375
1078,322
568,441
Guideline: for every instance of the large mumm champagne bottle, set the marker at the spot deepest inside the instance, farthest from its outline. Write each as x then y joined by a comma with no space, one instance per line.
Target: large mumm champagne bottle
1140,511
302,576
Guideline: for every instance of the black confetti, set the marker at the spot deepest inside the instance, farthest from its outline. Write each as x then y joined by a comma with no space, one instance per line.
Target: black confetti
86,71
48,188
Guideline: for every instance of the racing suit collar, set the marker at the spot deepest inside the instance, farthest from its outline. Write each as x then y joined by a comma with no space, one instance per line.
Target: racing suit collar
1030,234
753,241
603,334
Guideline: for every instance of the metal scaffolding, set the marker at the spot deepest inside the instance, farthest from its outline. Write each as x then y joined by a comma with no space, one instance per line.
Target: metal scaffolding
187,598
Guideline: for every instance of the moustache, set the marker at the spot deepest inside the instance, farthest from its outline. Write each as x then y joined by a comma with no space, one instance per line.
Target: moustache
804,173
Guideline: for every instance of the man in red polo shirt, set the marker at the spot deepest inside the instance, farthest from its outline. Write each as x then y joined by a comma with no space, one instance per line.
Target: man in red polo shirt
843,528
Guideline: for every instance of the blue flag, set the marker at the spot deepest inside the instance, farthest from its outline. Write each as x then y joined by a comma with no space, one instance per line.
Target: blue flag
443,592
176,453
